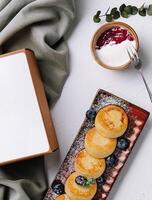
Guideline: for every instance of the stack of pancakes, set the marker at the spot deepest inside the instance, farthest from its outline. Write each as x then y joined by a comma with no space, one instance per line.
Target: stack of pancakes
110,123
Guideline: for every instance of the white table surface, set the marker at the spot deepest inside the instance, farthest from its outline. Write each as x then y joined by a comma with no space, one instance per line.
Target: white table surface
86,77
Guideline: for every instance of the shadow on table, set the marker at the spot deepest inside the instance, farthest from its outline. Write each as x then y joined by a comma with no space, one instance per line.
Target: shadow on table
52,162
144,58
130,160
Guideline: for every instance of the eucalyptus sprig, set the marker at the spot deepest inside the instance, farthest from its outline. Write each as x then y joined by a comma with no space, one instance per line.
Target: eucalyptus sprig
124,11
97,17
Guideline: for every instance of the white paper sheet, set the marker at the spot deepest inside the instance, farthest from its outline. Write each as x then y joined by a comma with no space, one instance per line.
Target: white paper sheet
22,131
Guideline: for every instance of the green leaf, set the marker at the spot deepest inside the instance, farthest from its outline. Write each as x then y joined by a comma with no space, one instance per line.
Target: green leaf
109,18
122,7
142,12
149,10
96,19
89,182
113,11
116,15
124,14
98,13
134,10
128,9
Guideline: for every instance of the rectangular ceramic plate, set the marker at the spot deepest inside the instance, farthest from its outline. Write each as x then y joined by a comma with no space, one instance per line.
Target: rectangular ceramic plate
137,119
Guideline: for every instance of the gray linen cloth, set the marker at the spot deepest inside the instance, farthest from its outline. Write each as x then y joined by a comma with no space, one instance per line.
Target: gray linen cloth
39,25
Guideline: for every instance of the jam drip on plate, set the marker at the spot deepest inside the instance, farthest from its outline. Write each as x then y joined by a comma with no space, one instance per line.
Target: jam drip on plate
114,35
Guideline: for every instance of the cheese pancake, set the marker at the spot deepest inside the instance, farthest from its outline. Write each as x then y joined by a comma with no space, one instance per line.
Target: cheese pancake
97,145
111,121
88,166
77,192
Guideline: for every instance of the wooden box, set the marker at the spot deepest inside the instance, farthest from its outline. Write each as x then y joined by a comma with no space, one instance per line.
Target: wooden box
26,128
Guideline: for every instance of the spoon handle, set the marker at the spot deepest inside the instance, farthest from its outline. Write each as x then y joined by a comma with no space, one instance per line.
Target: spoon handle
147,87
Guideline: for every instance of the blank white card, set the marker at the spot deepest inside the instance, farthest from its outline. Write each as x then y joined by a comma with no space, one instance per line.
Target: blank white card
22,132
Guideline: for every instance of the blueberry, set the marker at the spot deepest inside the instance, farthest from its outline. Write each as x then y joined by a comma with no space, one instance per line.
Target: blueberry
57,187
123,143
100,180
91,114
111,160
81,180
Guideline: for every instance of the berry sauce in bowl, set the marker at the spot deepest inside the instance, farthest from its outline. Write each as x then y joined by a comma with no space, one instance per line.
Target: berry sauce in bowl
110,44
114,35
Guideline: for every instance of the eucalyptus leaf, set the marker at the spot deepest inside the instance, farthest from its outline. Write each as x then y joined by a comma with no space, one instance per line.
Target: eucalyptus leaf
109,18
142,12
116,15
98,13
113,11
128,9
96,19
124,14
122,7
149,10
134,10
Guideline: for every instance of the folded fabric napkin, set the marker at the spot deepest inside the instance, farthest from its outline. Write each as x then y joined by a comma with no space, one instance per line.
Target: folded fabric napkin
39,25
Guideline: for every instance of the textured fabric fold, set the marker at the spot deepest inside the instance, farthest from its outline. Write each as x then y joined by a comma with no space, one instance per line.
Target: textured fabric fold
39,25
24,180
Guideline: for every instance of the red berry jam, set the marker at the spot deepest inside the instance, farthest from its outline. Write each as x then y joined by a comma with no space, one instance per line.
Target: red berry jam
114,35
